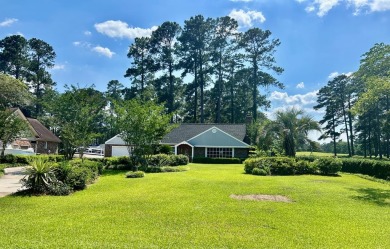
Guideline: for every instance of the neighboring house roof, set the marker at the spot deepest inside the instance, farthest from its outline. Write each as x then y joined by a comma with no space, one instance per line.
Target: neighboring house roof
116,140
41,132
186,132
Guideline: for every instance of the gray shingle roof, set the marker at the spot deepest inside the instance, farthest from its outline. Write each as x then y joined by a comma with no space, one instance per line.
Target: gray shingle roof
185,132
44,134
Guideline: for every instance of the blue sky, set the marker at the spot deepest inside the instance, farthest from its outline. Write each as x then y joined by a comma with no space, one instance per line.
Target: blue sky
319,38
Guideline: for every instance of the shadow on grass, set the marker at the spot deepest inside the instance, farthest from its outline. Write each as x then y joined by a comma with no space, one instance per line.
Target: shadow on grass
380,197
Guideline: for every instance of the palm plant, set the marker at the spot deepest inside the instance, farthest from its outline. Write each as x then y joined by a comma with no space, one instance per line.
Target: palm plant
40,175
292,127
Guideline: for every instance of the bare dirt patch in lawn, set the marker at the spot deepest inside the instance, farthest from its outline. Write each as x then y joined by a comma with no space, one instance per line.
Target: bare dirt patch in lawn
276,198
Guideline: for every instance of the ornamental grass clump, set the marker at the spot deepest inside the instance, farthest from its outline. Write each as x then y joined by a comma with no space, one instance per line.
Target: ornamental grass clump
41,178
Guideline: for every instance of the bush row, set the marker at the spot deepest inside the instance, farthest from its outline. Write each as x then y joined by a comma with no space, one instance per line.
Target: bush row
45,177
379,168
159,160
291,166
375,168
217,160
24,159
163,169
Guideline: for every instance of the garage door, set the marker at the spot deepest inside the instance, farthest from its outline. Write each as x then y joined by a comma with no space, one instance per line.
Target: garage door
119,151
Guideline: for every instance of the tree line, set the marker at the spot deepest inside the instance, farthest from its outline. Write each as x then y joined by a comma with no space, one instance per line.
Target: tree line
204,71
358,106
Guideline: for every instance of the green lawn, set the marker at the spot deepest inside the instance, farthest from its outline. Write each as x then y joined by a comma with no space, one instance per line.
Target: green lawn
322,154
193,210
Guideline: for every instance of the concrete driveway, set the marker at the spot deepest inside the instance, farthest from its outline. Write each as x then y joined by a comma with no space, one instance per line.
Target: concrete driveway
10,181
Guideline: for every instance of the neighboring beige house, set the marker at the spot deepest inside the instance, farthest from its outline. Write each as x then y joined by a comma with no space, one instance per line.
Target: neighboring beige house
40,139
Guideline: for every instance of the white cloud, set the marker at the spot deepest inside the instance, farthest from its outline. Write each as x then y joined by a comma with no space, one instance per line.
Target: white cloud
310,9
119,29
380,5
8,22
58,67
333,75
322,7
247,18
103,51
299,99
82,44
300,85
87,32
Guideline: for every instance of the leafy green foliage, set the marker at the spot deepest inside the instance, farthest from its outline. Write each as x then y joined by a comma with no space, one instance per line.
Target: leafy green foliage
292,127
40,176
142,125
135,174
78,113
278,166
376,168
329,166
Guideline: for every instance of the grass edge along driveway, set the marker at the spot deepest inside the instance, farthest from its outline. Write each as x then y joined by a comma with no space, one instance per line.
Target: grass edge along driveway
193,210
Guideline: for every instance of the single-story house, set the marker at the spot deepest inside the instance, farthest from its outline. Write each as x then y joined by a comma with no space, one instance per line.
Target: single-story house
196,140
209,140
37,137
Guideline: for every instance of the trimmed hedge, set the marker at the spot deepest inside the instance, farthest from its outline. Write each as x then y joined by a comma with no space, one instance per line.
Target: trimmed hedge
278,166
329,166
159,160
210,160
23,159
77,173
375,168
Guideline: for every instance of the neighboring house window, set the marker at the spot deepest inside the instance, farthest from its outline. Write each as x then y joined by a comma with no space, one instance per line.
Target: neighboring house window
45,145
220,152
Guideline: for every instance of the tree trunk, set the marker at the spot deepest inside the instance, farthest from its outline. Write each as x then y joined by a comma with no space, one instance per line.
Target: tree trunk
171,91
346,131
351,137
201,91
254,90
196,92
219,92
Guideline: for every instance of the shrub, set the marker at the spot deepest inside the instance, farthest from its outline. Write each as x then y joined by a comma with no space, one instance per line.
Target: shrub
40,176
260,172
78,177
375,168
159,160
305,167
119,163
329,166
135,174
217,160
278,166
177,160
164,149
174,169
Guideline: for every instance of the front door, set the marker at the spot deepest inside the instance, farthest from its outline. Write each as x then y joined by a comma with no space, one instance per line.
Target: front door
185,149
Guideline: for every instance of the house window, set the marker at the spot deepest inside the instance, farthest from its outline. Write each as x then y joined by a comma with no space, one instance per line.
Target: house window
220,152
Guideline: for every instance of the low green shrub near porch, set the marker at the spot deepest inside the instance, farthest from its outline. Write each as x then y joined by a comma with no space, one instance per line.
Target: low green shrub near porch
193,209
159,160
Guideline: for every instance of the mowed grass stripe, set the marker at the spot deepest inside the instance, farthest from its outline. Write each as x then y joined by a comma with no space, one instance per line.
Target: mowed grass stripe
193,210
